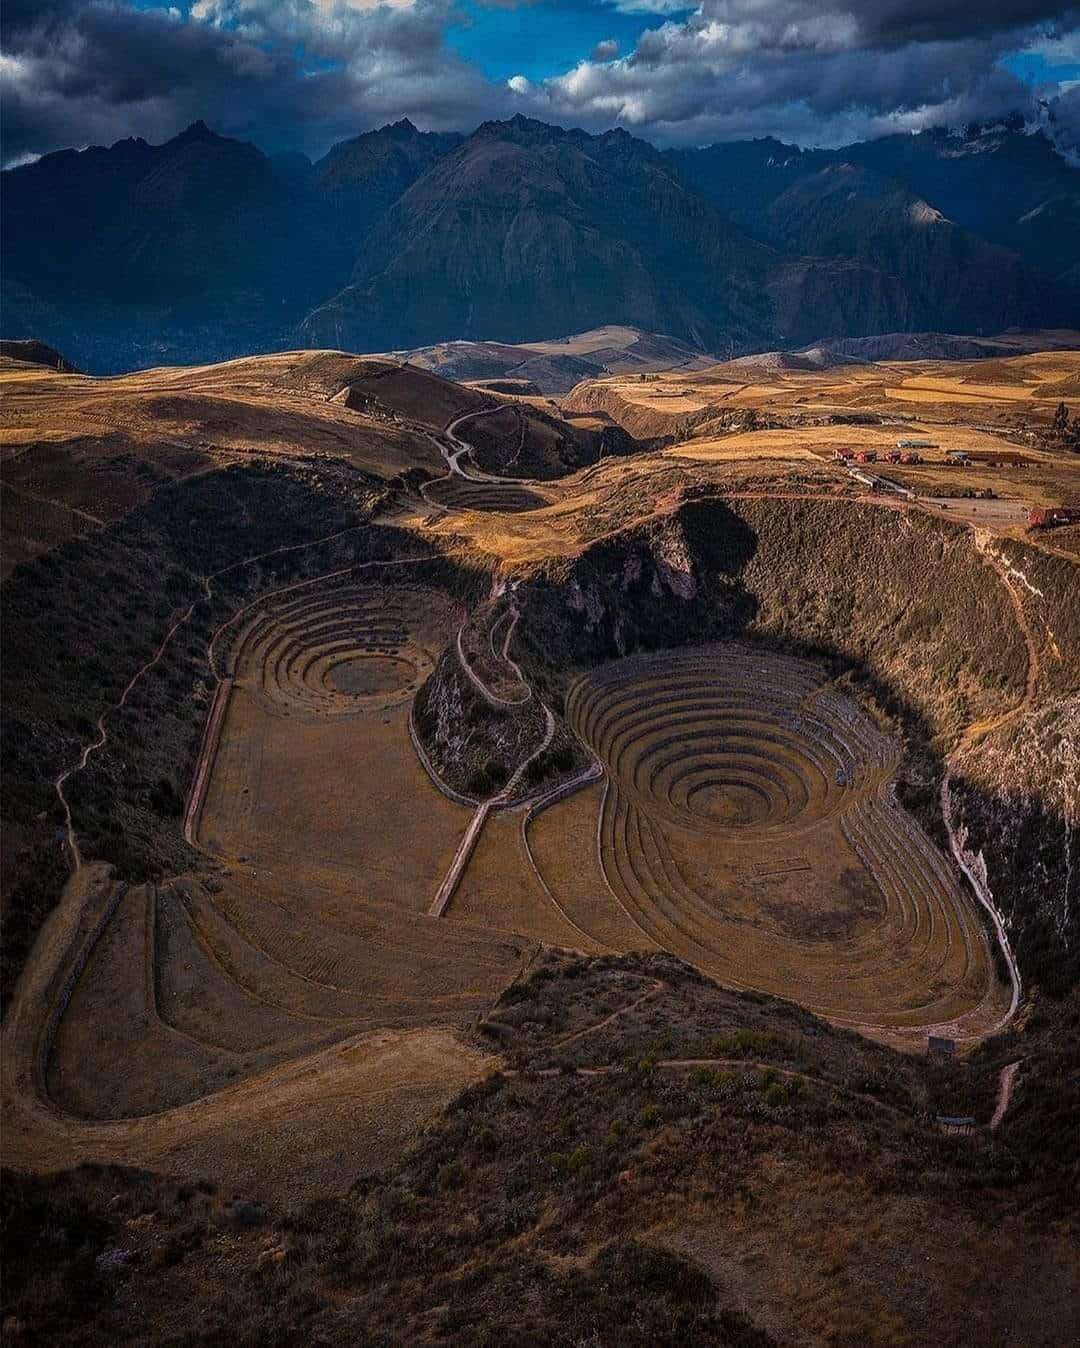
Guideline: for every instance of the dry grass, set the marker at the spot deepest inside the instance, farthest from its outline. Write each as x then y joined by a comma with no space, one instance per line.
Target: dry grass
102,446
500,891
799,1195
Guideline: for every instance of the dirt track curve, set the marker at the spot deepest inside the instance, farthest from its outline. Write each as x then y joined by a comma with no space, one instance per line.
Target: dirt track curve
288,1131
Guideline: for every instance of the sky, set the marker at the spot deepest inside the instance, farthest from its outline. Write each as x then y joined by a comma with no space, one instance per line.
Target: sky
301,74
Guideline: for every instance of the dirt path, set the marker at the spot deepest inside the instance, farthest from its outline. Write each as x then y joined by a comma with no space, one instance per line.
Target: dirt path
647,995
492,698
503,798
457,450
1006,1078
515,614
463,450
726,1064
972,864
52,501
102,735
1006,1086
978,730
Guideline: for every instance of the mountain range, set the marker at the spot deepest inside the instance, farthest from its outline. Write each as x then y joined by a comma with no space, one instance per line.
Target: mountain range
204,247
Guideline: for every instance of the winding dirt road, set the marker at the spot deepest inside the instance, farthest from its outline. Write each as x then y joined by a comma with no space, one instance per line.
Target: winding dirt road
972,865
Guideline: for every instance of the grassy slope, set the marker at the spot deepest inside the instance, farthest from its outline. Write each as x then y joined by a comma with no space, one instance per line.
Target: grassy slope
730,1204
81,621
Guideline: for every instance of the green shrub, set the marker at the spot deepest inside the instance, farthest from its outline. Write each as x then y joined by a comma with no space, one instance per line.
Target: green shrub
451,1175
614,1134
580,1160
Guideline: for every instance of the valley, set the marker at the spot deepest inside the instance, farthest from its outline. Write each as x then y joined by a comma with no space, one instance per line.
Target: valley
398,766
539,674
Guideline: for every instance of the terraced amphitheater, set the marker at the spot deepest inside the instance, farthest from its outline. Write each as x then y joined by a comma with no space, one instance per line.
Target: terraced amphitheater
748,825
458,492
305,935
335,651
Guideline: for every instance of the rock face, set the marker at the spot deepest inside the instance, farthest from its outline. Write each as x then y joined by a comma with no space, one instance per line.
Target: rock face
204,248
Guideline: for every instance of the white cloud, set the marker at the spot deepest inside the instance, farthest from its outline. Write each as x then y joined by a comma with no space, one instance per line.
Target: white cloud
302,73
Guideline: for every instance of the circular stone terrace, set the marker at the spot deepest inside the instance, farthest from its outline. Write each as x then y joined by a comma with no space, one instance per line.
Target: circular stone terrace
748,824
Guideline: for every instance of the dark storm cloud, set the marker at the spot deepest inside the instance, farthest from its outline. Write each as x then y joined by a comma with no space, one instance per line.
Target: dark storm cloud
896,21
821,74
286,75
302,73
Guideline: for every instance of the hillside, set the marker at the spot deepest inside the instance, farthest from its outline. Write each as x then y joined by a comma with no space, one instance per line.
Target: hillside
870,386
576,218
204,248
995,185
556,366
660,1161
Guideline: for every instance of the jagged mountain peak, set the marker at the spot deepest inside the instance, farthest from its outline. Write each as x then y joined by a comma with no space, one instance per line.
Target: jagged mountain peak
198,130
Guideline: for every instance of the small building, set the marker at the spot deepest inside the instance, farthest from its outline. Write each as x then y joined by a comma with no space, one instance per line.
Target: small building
1046,517
916,444
937,1044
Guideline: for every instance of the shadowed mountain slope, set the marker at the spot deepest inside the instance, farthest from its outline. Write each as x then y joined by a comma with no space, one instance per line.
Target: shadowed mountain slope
906,200
205,248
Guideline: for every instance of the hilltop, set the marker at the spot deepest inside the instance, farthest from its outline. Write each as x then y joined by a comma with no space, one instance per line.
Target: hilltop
555,366
660,1160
